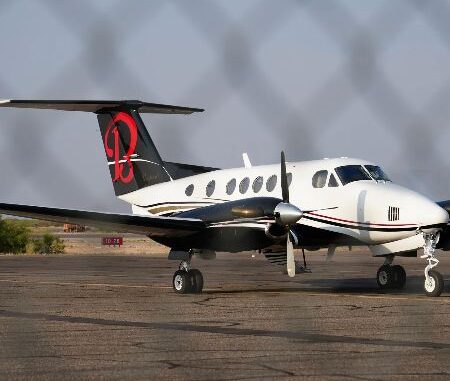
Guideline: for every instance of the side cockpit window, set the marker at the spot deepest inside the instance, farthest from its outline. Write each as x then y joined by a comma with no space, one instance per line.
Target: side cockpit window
332,182
377,173
350,173
319,179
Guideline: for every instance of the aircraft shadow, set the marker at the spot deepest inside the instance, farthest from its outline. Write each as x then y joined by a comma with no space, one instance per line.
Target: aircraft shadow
303,335
356,286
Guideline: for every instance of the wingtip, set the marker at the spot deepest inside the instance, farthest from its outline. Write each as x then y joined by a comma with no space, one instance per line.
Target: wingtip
4,101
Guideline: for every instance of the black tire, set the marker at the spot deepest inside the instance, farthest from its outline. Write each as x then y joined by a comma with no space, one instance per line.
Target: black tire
197,278
436,286
399,274
385,277
181,282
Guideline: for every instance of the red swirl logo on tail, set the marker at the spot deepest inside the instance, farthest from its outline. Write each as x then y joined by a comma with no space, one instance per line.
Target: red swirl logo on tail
121,120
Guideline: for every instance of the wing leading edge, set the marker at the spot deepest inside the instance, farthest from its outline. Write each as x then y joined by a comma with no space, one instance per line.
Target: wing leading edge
151,226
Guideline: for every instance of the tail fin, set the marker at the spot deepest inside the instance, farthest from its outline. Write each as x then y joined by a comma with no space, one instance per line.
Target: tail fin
133,159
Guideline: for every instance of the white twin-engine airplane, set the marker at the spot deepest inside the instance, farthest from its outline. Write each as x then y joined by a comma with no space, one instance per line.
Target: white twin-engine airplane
198,210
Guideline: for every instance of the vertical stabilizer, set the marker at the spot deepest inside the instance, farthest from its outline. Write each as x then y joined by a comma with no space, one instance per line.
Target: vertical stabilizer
133,160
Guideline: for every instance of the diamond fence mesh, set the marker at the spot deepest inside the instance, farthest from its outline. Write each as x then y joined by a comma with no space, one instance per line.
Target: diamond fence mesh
316,78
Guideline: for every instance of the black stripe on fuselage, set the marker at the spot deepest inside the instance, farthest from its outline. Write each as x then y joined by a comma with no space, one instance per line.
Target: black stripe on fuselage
369,228
199,203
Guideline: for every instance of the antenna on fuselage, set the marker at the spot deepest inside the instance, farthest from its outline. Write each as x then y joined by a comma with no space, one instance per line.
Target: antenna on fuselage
247,163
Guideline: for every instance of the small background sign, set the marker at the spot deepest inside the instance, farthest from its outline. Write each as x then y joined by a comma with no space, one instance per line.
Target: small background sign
112,241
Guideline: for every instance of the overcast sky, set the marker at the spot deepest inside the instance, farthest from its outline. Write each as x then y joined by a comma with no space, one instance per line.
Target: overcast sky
316,78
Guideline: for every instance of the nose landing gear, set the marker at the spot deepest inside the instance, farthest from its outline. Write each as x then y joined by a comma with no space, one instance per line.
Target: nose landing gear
187,280
434,282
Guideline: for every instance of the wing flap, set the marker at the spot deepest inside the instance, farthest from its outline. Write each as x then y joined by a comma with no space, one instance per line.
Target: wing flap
148,225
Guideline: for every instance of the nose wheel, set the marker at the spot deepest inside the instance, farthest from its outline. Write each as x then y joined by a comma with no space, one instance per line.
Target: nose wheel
187,280
434,285
434,282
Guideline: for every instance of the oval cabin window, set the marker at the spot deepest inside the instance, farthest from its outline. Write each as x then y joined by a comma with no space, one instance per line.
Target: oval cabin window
257,184
189,190
231,186
210,188
271,183
243,186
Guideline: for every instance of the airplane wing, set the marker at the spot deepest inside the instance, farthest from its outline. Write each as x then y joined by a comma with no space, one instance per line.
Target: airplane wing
444,241
148,225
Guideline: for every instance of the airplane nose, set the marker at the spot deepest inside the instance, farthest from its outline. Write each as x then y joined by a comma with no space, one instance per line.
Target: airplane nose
435,215
441,215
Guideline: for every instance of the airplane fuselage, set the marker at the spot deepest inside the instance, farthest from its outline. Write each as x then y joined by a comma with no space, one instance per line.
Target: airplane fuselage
361,212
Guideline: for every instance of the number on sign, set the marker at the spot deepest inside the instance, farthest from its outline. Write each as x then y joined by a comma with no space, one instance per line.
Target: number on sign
112,241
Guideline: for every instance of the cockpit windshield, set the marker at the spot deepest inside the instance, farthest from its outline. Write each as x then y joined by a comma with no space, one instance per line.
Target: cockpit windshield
377,173
349,173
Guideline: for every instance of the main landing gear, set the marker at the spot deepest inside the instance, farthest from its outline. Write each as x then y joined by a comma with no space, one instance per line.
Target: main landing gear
187,280
391,277
434,282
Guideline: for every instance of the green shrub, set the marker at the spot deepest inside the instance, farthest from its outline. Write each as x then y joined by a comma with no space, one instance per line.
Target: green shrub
14,236
48,244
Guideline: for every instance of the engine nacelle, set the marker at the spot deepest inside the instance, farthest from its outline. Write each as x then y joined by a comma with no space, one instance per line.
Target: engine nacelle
276,232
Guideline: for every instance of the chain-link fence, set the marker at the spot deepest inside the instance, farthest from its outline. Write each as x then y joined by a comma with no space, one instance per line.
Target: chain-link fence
316,78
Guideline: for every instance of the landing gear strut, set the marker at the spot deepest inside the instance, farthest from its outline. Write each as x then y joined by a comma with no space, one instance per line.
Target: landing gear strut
434,282
391,277
187,280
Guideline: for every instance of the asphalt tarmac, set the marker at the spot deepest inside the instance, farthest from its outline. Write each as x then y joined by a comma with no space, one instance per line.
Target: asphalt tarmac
116,317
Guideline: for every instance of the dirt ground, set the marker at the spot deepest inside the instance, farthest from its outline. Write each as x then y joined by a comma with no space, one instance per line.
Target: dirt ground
91,242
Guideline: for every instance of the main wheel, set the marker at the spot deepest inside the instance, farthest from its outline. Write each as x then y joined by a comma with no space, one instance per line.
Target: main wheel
385,277
182,282
197,277
399,274
435,284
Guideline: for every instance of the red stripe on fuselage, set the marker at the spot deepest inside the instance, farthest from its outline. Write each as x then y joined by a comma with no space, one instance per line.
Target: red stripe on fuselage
359,223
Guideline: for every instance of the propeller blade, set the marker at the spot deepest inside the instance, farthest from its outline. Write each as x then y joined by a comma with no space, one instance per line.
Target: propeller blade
290,256
284,180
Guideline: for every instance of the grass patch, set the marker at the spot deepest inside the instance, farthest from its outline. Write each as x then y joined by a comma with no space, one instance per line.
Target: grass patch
15,238
48,244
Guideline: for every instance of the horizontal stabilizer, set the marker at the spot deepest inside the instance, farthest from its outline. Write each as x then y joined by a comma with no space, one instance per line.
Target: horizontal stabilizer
99,106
